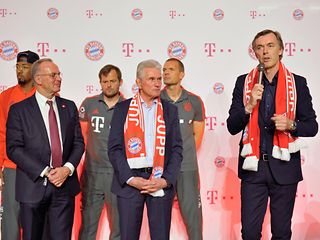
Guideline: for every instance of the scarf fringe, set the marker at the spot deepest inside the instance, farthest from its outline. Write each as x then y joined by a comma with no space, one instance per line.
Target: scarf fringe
284,153
246,150
250,163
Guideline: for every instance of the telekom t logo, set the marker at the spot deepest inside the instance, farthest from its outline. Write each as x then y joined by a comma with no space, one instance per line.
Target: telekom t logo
127,49
210,48
43,47
3,12
97,123
290,48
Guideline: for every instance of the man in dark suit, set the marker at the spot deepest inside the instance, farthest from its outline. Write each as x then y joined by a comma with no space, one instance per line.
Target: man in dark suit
145,149
44,140
272,115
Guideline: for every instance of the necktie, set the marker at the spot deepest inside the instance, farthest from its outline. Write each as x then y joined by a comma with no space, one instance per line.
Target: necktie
54,137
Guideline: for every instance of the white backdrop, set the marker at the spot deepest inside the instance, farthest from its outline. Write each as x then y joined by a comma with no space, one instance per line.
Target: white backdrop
213,40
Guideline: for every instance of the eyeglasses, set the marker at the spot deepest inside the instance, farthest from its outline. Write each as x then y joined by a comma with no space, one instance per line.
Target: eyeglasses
52,75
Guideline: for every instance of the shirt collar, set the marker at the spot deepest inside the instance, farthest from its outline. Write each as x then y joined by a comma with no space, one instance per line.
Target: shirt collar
42,100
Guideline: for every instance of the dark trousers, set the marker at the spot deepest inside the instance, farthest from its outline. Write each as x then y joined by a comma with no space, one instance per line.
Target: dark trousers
159,214
57,207
254,200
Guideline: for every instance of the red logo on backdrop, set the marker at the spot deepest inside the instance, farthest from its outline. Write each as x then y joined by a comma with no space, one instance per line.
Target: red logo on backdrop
298,14
218,14
187,106
177,50
8,50
134,88
136,14
251,53
218,88
94,50
219,162
52,13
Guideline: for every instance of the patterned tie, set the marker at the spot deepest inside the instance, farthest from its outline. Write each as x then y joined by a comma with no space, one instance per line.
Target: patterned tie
54,137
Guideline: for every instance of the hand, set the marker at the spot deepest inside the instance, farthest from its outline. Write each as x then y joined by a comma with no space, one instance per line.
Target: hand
281,122
138,182
154,184
57,176
1,180
255,96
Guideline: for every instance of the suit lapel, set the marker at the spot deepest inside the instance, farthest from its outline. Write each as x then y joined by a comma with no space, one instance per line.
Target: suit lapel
38,119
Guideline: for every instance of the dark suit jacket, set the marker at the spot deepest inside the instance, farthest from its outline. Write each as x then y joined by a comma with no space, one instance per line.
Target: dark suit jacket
28,146
284,172
117,153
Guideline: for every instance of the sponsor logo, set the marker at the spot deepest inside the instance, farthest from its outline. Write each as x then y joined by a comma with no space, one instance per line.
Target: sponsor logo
251,53
134,88
134,145
219,162
136,14
218,14
94,50
218,88
177,50
52,13
298,14
8,50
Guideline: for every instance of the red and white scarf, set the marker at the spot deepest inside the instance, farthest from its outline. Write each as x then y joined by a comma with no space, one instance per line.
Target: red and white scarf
285,103
134,137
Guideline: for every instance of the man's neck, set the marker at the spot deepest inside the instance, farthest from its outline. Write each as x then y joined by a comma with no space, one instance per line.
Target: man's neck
27,87
271,72
174,91
111,101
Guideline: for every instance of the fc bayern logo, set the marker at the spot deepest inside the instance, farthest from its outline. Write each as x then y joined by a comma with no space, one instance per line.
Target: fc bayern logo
52,13
134,88
298,14
218,88
94,50
8,50
157,172
218,14
251,53
134,145
136,14
219,162
177,50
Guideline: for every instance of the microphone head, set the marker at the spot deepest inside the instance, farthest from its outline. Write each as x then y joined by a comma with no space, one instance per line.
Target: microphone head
260,67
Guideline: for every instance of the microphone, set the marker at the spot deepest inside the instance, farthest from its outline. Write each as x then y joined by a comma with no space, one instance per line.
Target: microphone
260,69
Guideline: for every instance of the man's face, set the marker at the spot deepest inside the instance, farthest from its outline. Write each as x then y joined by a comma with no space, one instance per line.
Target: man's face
268,51
23,72
48,78
110,84
171,73
150,84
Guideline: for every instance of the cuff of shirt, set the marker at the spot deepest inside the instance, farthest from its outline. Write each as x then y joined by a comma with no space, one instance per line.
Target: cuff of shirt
129,180
44,171
70,166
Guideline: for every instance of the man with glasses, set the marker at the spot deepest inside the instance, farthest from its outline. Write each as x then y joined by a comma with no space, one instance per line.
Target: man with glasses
44,139
10,225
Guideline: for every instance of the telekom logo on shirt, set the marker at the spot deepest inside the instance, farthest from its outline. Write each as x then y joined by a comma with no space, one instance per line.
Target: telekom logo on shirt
97,123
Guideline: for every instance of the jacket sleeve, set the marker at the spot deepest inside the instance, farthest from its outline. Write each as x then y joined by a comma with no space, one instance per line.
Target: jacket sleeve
116,147
307,125
238,119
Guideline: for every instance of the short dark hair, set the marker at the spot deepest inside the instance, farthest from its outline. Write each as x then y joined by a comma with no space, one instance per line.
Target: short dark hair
181,66
107,69
265,32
